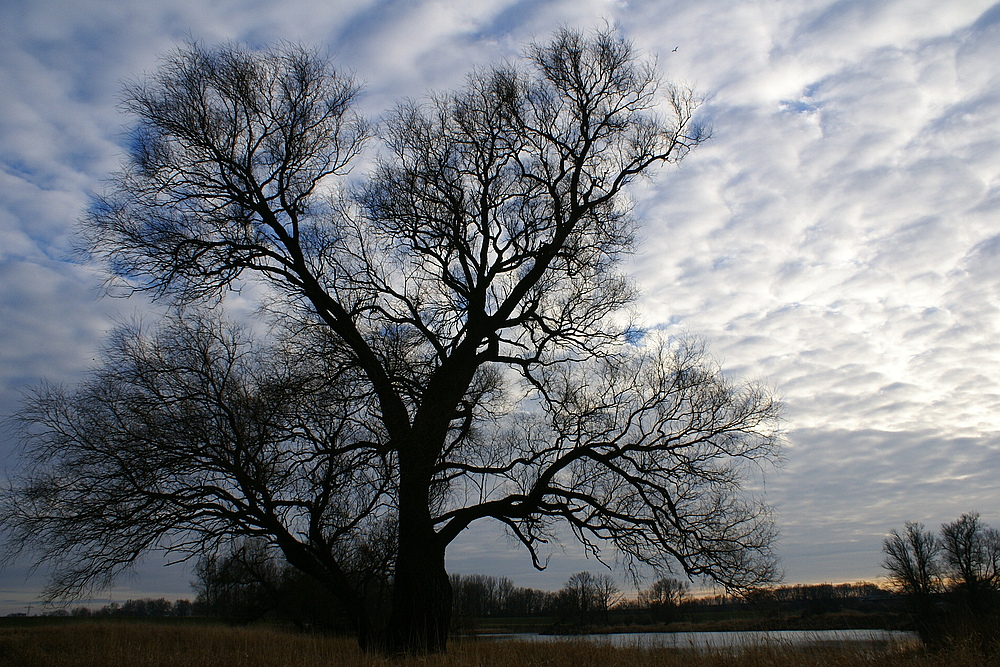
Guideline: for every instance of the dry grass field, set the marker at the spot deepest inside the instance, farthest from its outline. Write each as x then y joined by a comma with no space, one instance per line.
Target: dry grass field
124,644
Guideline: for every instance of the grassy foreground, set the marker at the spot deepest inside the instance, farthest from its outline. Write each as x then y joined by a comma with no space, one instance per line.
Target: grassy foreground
124,644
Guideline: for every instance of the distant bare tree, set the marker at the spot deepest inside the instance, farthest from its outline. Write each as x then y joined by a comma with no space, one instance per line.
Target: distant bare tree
453,341
578,598
911,560
912,563
587,598
664,596
477,596
240,586
607,594
971,551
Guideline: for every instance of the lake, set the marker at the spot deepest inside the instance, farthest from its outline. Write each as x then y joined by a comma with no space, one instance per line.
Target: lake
703,640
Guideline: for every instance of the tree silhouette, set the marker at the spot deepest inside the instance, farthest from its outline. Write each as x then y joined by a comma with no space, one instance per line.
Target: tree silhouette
912,563
971,554
453,341
663,597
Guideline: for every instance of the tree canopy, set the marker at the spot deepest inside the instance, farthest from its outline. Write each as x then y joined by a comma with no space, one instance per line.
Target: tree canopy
450,341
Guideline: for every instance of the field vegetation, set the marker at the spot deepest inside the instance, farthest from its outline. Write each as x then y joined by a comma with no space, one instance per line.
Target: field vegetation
131,643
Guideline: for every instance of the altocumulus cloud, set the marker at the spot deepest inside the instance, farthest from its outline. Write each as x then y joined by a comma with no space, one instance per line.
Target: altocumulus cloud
837,238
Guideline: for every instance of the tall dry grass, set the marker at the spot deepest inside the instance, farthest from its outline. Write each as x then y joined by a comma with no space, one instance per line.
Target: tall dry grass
105,644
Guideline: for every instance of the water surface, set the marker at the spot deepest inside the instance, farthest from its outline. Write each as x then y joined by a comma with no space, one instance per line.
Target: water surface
704,640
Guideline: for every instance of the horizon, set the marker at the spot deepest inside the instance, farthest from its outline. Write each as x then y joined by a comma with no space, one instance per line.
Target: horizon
694,594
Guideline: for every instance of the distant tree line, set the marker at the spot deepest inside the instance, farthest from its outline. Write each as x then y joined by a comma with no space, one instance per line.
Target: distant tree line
951,580
588,599
250,582
585,599
809,592
249,585
141,608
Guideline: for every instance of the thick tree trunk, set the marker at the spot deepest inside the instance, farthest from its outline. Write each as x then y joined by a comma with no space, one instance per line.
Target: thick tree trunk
421,591
420,617
421,599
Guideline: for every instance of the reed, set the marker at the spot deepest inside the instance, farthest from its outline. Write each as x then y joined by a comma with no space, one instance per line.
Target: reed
124,644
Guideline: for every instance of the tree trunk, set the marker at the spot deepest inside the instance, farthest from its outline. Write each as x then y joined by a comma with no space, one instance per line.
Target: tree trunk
421,598
420,618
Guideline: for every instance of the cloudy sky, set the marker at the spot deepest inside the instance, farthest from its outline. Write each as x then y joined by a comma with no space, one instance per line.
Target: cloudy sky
838,238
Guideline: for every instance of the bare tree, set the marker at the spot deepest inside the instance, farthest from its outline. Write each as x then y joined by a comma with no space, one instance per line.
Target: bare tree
578,598
912,563
240,586
664,596
458,345
971,551
607,594
587,598
911,560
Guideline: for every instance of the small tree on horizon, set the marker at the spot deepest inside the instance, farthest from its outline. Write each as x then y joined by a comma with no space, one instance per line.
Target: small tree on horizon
911,560
451,339
970,551
663,597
